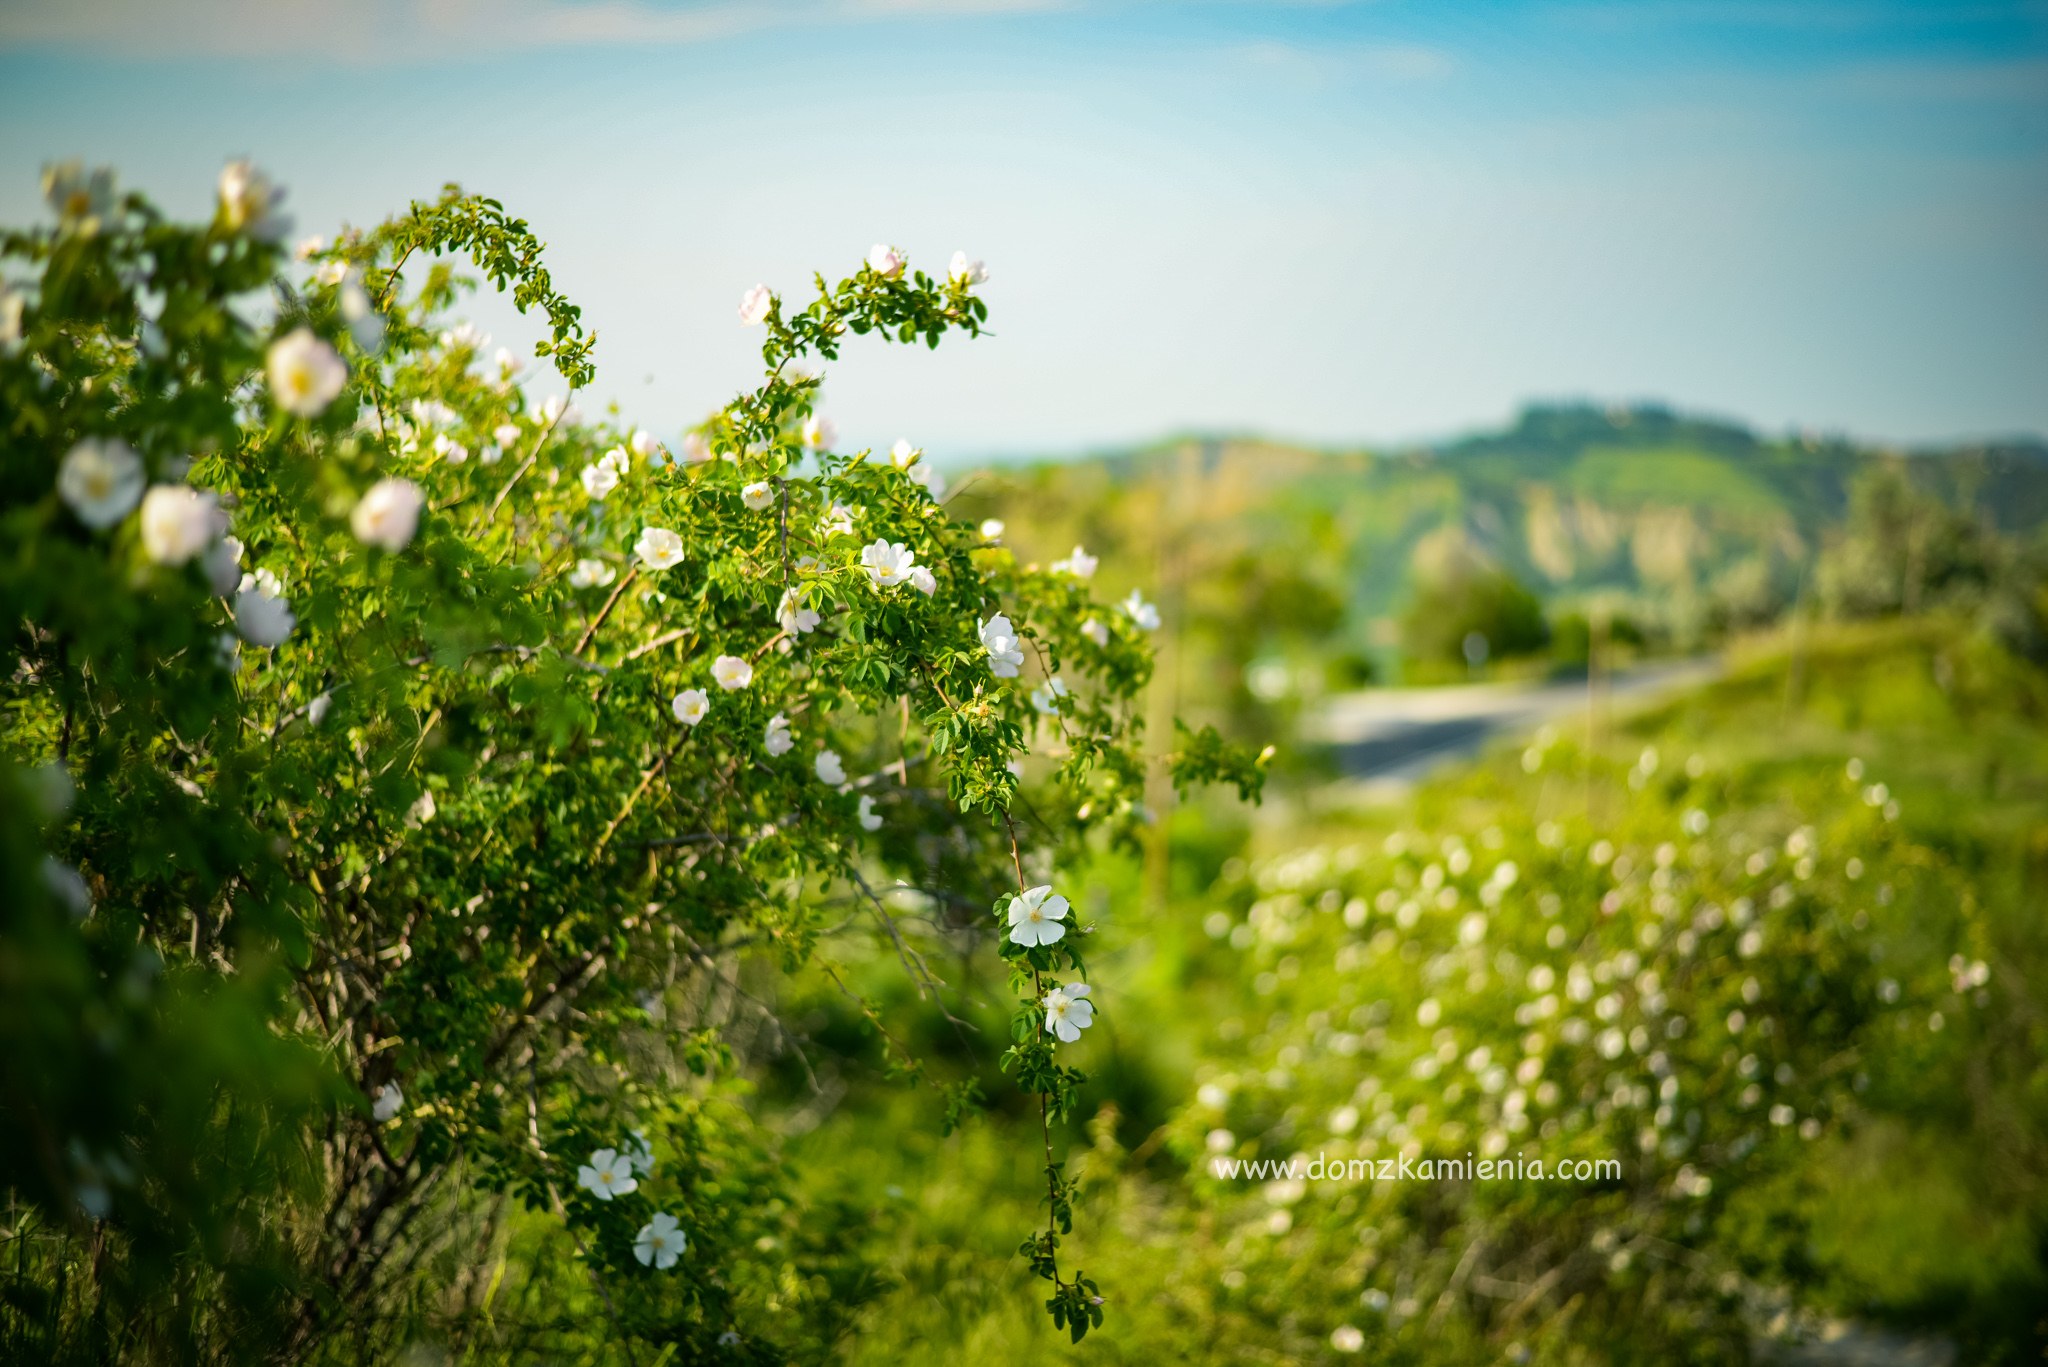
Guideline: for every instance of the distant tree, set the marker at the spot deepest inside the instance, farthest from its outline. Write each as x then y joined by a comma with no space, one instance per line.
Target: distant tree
1466,599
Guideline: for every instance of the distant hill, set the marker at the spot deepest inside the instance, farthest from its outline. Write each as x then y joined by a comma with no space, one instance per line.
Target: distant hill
1665,514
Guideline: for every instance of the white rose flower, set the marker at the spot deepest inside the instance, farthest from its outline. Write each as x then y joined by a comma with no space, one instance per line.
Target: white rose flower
760,495
885,260
101,480
776,739
506,434
1068,1011
643,443
450,450
81,198
1141,612
387,1103
754,306
599,479
992,529
1036,915
1095,631
830,769
306,374
262,614
924,581
934,483
903,455
177,523
591,574
330,272
609,1173
1005,650
819,433
731,672
309,247
660,1242
888,564
659,548
508,364
619,459
465,336
795,618
837,521
965,272
249,203
1045,699
1080,564
388,515
870,819
223,565
691,705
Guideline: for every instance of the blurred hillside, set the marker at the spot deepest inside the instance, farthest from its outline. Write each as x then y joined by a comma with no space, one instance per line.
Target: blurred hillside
1299,566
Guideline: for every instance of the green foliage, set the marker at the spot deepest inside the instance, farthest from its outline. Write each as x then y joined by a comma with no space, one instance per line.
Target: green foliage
372,976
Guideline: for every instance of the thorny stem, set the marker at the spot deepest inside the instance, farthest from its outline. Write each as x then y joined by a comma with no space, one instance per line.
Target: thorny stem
1052,1191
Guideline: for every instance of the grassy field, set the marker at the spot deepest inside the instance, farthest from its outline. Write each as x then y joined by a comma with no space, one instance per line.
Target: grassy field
1774,949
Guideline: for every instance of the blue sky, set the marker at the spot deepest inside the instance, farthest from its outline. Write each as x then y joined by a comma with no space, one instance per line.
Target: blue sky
1326,221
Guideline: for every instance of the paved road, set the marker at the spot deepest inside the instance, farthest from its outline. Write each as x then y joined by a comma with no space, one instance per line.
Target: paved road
1394,737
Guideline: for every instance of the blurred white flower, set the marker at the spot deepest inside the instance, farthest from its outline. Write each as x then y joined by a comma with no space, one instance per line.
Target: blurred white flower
887,564
1347,1338
609,1173
1140,611
507,363
1046,697
81,198
557,411
885,260
450,450
620,461
643,444
388,514
331,272
13,305
870,819
776,739
1068,1011
223,565
754,305
690,706
249,203
387,1103
795,618
599,479
1080,564
923,581
837,521
316,710
177,523
1005,650
1095,631
306,374
1036,915
903,455
365,324
590,573
830,769
965,272
759,496
659,548
306,248
731,672
696,448
660,1242
928,475
262,614
640,1153
819,434
992,529
506,434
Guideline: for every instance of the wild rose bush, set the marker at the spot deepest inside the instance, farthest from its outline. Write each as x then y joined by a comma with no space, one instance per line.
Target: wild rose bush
393,751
